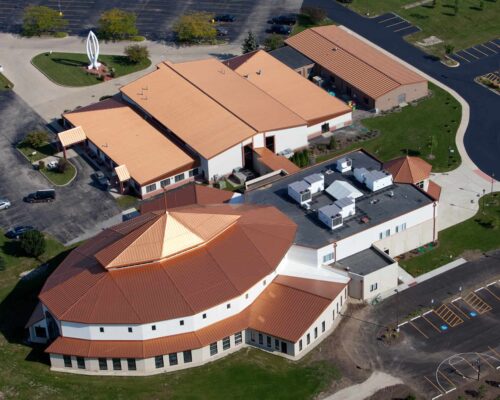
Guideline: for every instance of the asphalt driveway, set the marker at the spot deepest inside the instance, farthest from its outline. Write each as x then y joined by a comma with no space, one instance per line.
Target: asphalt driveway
79,207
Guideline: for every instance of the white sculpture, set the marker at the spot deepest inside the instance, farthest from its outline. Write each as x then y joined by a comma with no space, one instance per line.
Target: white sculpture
93,50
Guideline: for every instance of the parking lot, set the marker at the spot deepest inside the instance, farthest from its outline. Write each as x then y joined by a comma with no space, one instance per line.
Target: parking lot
478,52
155,18
396,24
78,208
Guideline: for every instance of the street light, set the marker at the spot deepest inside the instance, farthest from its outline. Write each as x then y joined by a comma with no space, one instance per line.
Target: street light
397,309
478,363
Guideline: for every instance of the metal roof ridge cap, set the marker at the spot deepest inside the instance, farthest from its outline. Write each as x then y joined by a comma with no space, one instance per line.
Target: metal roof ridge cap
126,299
302,290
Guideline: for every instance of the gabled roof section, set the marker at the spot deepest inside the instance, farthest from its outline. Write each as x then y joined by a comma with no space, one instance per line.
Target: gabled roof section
408,169
352,60
72,136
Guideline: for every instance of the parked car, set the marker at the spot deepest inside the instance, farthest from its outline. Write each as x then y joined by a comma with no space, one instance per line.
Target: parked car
101,180
280,29
224,18
16,232
4,204
52,164
288,19
222,31
41,196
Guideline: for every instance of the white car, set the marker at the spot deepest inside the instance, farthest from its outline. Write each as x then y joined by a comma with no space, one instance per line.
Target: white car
4,204
52,164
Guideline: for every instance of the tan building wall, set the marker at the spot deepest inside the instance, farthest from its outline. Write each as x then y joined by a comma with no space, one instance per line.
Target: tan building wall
408,94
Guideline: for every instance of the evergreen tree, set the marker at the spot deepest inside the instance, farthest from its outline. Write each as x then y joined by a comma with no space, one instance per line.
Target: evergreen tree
250,43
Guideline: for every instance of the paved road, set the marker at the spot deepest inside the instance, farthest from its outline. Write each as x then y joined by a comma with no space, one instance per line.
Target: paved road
482,139
78,207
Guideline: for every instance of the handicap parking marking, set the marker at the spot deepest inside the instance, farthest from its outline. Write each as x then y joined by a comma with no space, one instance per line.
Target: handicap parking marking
459,310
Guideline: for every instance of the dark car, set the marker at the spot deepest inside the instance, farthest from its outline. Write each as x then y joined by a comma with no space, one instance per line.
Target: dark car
222,31
41,196
280,29
101,180
290,19
224,18
15,233
344,1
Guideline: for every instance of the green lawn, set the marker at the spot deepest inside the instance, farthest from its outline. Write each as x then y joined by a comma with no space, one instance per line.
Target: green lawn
43,151
125,202
24,373
470,26
58,178
480,232
304,22
434,120
5,84
69,69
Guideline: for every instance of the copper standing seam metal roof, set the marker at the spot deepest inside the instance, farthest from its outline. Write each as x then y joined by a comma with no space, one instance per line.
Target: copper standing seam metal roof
286,299
408,169
352,60
276,162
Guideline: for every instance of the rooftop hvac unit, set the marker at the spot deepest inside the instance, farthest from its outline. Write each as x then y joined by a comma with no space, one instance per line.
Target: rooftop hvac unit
341,189
316,183
347,206
331,216
344,164
360,173
376,180
299,191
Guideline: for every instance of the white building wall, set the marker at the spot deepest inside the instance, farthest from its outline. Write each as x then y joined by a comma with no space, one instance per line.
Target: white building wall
258,141
335,123
291,138
386,278
223,163
171,180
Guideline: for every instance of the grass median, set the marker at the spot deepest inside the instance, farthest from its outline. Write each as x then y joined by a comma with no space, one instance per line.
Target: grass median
70,69
5,84
479,233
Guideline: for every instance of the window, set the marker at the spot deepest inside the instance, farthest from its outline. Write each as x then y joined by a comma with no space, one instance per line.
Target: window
193,172
268,341
67,362
246,296
264,283
40,332
228,306
130,330
308,338
159,362
387,233
151,188
101,329
403,226
300,345
226,343
213,349
80,361
181,322
179,177
327,257
204,316
276,344
333,315
237,338
103,364
323,326
153,327
341,299
165,182
117,364
252,336
381,235
187,356
172,359
373,287
131,364
337,308
420,184
315,332
261,339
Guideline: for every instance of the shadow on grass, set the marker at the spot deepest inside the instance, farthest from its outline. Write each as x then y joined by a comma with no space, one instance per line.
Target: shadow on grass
449,14
410,152
122,61
69,63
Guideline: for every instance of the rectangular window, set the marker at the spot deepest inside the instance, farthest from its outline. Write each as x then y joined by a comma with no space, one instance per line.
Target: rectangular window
228,306
246,296
117,364
153,327
40,332
261,339
387,233
327,257
323,326
213,349
179,177
252,336
165,182
264,283
397,228
373,287
131,364
315,332
80,361
181,322
67,362
337,308
381,235
101,329
193,172
187,356
300,345
238,338
159,363
308,338
172,359
151,188
226,343
341,299
204,316
130,329
103,364
268,341
333,315
276,344
403,226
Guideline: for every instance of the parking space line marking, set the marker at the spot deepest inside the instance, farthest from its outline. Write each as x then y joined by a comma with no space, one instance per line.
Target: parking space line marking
427,312
493,294
434,326
402,29
494,351
478,289
458,298
397,23
414,318
481,51
404,323
485,360
388,19
439,390
451,383
458,309
463,58
416,327
491,283
489,48
494,43
472,366
465,51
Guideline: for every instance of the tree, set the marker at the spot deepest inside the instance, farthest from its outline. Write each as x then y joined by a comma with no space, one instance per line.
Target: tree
137,53
116,24
273,41
250,43
38,20
315,14
481,4
33,243
36,139
62,165
195,28
448,49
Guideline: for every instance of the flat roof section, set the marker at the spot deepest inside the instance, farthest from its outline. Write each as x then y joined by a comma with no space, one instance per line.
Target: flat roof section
365,262
372,209
291,57
125,137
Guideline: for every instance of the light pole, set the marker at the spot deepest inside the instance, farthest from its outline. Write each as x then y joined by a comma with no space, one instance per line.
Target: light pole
478,363
397,309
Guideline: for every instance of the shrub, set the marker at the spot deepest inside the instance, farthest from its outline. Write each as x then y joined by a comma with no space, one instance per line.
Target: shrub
41,165
116,24
137,38
62,166
136,53
273,42
331,144
38,20
316,14
250,43
33,243
36,139
60,35
195,28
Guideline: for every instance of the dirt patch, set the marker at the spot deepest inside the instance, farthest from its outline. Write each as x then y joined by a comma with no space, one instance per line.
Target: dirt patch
472,255
396,392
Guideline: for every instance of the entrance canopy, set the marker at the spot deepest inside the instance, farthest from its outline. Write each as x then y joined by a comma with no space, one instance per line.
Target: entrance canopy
72,136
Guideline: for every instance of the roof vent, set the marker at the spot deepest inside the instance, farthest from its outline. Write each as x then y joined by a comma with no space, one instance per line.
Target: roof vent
365,219
259,72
